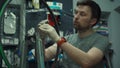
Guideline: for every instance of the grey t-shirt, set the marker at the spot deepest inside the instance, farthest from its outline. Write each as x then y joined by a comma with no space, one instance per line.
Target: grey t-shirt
85,44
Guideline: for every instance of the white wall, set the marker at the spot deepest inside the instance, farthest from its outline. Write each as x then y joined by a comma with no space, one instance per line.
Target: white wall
108,5
74,3
114,31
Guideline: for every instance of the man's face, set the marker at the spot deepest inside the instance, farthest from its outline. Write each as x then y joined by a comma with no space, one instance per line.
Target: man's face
82,18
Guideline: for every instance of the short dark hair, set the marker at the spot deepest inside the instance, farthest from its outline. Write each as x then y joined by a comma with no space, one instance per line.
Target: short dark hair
95,8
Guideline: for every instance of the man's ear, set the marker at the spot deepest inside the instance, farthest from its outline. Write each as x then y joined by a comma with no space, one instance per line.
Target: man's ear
93,21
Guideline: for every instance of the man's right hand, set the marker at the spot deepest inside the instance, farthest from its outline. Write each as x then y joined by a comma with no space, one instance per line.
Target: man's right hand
43,35
49,30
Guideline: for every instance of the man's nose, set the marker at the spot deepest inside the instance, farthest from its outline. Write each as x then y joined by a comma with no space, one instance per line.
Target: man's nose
76,16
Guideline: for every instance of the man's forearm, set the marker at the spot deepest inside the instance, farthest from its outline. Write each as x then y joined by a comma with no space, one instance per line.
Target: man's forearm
50,52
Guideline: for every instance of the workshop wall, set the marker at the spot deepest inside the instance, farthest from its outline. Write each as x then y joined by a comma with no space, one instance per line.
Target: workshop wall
32,19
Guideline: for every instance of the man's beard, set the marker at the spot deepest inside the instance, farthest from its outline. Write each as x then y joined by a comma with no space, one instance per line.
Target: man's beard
81,29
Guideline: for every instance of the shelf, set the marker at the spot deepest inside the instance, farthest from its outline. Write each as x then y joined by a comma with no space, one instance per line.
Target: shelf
36,10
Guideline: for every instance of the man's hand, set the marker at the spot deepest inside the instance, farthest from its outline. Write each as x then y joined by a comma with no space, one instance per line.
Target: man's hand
41,33
49,30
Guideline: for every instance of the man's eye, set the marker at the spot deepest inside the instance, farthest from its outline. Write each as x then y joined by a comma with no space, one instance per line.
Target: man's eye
82,14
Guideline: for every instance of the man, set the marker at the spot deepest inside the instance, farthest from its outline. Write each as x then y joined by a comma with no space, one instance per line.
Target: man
86,48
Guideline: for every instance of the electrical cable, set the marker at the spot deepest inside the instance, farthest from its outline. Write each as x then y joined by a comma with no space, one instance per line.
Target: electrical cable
1,49
56,24
4,57
4,6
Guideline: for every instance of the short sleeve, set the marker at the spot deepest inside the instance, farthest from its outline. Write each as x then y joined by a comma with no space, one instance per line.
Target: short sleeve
102,43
